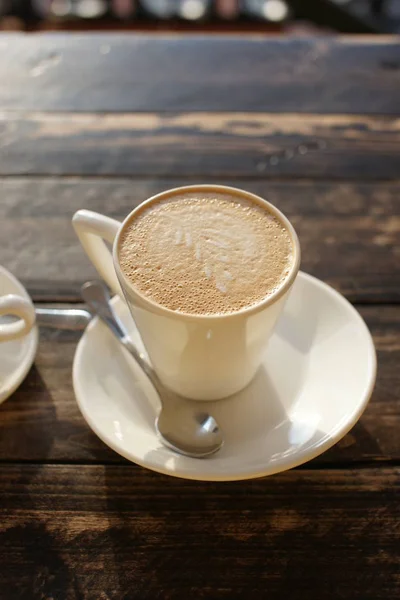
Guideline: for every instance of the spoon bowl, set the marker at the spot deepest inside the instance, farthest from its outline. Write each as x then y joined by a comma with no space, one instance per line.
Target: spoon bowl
195,432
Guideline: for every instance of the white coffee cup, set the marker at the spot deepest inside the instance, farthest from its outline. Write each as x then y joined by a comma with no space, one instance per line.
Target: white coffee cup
197,356
16,306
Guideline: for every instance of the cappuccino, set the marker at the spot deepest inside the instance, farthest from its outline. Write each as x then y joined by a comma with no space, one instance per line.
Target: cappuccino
205,253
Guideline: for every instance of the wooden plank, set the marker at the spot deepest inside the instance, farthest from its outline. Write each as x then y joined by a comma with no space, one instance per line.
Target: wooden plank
41,422
118,532
200,145
117,72
349,232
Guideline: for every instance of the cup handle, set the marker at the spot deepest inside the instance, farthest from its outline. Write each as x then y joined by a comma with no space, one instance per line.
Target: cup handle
19,307
92,229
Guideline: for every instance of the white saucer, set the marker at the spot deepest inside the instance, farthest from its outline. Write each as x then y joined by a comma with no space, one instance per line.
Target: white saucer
315,382
16,357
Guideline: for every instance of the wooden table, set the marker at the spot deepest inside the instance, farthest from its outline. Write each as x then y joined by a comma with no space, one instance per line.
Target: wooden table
103,122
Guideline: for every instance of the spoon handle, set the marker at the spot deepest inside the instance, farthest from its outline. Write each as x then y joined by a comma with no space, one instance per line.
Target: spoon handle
97,298
199,435
73,319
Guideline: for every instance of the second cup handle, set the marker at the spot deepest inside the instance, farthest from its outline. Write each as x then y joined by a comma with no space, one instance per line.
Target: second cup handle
92,229
19,307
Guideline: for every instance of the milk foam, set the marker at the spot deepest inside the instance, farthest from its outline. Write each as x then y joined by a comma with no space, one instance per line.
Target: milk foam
205,253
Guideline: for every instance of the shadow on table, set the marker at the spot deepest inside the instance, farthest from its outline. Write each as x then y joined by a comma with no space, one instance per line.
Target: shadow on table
25,539
358,445
24,422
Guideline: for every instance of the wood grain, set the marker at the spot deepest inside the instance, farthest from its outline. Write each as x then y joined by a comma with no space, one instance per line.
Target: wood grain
200,145
42,423
103,122
357,222
91,533
117,72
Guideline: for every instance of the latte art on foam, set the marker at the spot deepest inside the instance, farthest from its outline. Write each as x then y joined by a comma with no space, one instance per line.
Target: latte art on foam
215,249
205,253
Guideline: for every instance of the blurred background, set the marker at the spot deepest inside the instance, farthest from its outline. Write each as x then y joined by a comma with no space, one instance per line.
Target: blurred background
297,16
